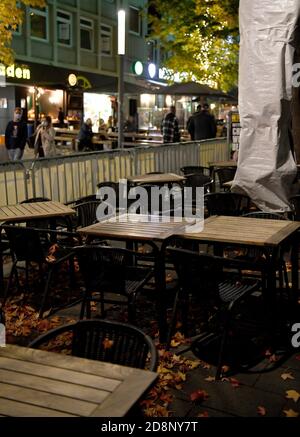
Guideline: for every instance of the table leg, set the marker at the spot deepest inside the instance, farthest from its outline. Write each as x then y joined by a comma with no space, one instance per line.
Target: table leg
1,268
160,281
295,274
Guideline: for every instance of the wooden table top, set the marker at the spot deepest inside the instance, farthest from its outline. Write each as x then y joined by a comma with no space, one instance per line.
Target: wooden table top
223,164
156,178
37,383
34,210
244,230
135,227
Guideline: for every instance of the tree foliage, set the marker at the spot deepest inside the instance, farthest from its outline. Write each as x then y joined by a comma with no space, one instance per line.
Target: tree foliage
200,37
11,16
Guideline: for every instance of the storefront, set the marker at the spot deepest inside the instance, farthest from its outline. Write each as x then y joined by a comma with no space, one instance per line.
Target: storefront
43,89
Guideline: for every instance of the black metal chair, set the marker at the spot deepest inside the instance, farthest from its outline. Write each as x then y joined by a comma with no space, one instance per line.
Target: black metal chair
195,169
111,271
86,213
216,280
256,254
225,174
226,203
198,180
27,246
103,340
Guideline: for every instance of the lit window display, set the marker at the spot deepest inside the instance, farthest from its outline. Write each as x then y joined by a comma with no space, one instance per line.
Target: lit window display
96,107
47,102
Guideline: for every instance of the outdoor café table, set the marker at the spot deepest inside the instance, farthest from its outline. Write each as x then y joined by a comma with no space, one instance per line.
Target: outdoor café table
146,229
23,212
161,178
47,384
265,234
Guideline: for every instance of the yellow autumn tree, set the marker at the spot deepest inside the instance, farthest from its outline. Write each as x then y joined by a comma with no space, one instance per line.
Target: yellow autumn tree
200,39
11,16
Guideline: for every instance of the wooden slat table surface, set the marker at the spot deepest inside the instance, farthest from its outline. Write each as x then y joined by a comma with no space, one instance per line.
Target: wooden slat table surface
135,227
223,164
34,210
156,178
46,384
245,231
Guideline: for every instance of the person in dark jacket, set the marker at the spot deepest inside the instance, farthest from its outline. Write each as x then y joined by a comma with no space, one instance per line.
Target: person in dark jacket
85,136
16,136
202,125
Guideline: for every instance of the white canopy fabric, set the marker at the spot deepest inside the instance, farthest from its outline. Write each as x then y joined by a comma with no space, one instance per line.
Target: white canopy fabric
266,166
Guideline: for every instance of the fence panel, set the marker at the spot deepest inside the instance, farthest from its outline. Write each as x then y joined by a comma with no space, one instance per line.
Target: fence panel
70,177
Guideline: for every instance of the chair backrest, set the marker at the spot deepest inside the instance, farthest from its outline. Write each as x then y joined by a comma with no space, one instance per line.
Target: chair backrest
225,174
295,202
86,213
104,265
103,340
194,268
265,215
195,169
36,199
226,203
198,180
25,243
90,198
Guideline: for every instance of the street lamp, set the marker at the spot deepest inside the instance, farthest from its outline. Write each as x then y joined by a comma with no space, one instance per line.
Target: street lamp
121,53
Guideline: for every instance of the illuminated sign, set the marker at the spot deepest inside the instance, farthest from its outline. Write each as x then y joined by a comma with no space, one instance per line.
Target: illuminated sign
15,72
152,70
84,82
138,68
72,79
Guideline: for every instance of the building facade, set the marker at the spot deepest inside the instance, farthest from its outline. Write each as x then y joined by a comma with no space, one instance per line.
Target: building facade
66,57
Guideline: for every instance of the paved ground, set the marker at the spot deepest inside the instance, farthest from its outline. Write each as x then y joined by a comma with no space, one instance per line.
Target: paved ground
271,388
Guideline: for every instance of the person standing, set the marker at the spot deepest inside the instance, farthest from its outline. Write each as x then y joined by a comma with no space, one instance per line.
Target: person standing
170,127
206,110
85,136
202,125
198,111
16,136
44,145
61,117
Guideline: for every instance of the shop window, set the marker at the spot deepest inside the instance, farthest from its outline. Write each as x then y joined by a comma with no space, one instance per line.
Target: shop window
105,40
3,103
39,23
86,34
135,20
64,28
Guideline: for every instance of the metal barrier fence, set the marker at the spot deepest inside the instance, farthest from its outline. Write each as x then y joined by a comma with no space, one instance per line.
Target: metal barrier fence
71,177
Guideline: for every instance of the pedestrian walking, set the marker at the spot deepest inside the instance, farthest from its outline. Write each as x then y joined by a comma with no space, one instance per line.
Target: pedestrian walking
44,145
16,136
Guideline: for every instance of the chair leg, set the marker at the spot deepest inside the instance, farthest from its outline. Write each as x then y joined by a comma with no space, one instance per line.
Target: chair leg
173,320
45,292
12,272
82,309
72,272
223,344
131,310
